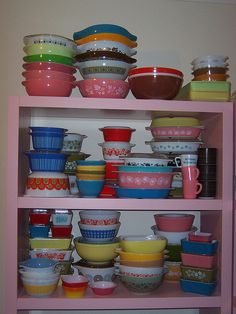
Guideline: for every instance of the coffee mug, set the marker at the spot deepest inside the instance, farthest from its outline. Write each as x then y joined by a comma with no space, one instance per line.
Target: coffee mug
190,173
186,160
191,188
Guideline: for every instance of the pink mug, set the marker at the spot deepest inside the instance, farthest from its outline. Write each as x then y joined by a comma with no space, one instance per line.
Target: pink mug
190,173
191,188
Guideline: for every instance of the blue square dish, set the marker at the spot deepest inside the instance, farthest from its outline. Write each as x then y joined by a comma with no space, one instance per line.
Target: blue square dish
197,287
202,248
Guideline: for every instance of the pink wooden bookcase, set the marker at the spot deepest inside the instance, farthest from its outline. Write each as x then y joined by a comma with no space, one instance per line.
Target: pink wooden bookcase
216,214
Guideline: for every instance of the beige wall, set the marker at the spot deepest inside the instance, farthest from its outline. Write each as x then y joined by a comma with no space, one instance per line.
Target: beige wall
170,33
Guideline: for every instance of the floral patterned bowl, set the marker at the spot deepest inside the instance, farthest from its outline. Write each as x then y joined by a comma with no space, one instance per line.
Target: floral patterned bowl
103,88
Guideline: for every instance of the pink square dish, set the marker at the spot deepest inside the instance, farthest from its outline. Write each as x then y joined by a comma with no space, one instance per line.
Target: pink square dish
196,260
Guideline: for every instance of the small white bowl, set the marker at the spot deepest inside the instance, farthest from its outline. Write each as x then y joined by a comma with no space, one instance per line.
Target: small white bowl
173,237
72,142
115,150
99,217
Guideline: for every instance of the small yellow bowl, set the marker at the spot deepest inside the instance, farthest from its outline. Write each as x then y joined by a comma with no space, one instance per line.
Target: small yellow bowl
91,168
87,176
37,290
107,36
74,292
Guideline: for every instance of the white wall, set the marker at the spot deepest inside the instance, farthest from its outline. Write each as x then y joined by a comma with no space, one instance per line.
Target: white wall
170,33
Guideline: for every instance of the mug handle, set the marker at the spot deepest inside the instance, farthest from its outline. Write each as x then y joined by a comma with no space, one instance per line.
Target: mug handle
176,161
197,174
199,187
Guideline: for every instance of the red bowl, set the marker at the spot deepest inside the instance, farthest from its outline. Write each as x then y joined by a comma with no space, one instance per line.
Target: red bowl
48,87
61,231
174,222
155,83
51,66
117,133
39,218
103,287
74,281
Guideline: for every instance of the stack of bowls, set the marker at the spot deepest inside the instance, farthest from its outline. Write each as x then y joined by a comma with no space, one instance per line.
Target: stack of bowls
210,68
155,82
141,262
39,277
104,59
47,163
174,136
199,264
115,147
48,65
74,286
144,181
174,227
72,147
90,177
39,223
99,229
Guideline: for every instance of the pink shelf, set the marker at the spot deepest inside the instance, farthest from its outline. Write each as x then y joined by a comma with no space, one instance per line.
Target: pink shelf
124,299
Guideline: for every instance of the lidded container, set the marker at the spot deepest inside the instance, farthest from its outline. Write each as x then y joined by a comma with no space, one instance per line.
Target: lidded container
62,217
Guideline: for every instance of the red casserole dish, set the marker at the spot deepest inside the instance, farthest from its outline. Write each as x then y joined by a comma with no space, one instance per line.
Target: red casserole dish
61,231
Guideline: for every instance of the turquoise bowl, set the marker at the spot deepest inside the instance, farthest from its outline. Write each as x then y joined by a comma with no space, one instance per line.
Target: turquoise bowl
126,168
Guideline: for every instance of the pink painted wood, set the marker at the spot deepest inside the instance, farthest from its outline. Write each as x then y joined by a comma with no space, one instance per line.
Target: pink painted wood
216,215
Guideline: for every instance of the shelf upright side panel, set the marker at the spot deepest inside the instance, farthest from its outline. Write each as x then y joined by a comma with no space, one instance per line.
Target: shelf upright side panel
11,205
227,211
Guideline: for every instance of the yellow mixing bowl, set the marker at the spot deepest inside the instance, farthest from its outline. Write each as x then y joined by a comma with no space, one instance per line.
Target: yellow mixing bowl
107,36
37,290
144,257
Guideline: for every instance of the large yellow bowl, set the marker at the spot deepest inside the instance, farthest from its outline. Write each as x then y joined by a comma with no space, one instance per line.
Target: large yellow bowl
107,36
50,243
96,252
143,244
37,290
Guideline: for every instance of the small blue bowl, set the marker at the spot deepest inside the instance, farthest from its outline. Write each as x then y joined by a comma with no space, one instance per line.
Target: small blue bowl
155,169
104,28
39,231
90,188
197,287
141,193
90,162
40,263
47,129
201,248
51,141
46,161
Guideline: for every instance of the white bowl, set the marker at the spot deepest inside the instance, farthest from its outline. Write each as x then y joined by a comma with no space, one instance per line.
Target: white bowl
47,184
173,237
168,147
99,217
106,45
56,255
99,233
115,150
146,162
94,273
141,271
113,69
49,39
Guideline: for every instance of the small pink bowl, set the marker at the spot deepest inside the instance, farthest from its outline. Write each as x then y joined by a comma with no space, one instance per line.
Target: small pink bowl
48,87
103,88
174,222
48,74
103,287
50,66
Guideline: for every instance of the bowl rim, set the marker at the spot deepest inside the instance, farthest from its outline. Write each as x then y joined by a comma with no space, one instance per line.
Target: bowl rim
155,71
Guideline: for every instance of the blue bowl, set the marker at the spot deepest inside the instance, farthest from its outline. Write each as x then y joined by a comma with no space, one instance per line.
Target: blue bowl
141,193
46,161
155,169
197,287
39,231
201,248
47,140
38,263
90,188
47,129
90,162
104,28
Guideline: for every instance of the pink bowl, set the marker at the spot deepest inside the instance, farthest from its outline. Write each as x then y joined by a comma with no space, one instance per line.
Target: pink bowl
51,66
48,74
103,287
174,222
48,87
103,88
180,132
145,180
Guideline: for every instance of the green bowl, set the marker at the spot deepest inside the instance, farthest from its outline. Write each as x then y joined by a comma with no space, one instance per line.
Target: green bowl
50,58
141,285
